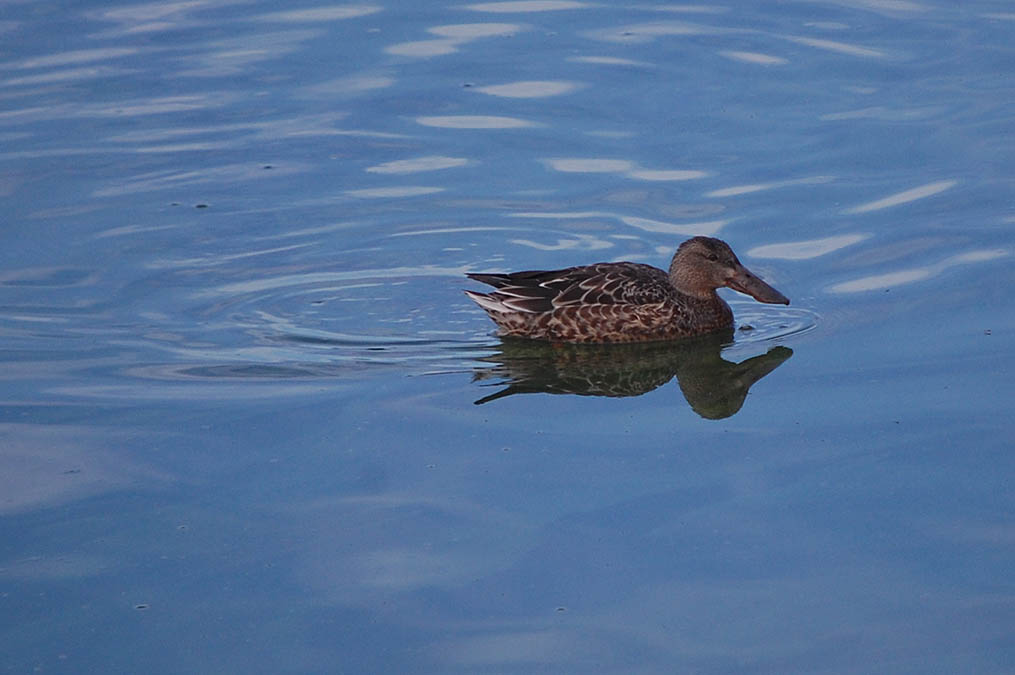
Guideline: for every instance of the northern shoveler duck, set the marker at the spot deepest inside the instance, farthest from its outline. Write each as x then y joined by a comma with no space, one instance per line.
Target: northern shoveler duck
624,301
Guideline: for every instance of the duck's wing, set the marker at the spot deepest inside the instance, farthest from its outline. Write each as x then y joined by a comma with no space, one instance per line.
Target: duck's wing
599,284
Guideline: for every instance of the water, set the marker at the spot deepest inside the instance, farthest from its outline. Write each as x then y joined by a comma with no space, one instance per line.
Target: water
239,423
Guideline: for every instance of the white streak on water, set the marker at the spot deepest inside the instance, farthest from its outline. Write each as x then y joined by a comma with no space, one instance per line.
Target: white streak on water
452,37
448,230
592,165
584,242
707,228
736,190
392,192
667,174
474,31
474,122
839,47
530,89
621,166
525,6
805,250
907,276
755,58
316,14
421,48
563,215
904,197
418,164
75,57
313,278
609,61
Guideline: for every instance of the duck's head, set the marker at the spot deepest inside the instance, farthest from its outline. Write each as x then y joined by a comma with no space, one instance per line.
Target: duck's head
703,264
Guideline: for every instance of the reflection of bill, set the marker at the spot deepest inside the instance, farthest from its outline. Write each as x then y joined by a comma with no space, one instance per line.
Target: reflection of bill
714,387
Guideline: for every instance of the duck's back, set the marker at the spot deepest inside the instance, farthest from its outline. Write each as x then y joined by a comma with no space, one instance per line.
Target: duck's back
603,302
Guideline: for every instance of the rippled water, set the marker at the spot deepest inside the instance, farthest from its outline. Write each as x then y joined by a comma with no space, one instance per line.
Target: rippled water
238,415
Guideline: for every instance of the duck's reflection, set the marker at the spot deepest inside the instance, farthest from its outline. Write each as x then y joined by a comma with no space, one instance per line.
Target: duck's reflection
714,387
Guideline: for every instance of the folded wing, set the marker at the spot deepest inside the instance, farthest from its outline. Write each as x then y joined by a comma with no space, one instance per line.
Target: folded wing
537,291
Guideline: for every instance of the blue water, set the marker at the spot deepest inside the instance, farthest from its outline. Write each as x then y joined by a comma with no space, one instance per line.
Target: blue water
238,419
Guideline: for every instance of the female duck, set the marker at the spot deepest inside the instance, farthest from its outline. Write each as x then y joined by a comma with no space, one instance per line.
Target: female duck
624,301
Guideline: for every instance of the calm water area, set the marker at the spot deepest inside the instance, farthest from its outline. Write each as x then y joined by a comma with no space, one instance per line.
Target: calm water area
250,423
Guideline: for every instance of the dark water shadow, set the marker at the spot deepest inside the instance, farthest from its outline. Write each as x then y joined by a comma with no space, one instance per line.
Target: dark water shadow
714,387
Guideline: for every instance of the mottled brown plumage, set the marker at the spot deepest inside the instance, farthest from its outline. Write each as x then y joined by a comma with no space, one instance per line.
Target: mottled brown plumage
623,301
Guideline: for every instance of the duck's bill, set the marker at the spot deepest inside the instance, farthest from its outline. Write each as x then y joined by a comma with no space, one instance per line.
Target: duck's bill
746,282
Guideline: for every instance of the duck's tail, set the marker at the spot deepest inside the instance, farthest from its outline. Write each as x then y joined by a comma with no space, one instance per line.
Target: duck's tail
488,302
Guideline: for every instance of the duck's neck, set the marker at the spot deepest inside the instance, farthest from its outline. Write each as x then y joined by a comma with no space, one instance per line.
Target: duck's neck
709,310
690,285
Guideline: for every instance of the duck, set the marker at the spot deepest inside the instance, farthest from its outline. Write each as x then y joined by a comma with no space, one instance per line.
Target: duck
623,301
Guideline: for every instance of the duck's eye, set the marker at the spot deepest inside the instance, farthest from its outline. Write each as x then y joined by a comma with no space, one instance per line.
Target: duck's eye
713,257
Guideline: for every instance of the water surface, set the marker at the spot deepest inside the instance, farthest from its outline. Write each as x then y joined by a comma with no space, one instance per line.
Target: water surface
239,376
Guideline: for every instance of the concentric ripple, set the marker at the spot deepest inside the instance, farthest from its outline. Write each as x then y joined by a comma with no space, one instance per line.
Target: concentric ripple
769,323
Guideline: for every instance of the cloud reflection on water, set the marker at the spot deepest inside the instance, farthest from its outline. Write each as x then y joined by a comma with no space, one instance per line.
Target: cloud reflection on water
609,61
44,466
530,89
66,75
705,228
452,37
474,122
75,57
758,187
394,192
908,276
423,48
582,242
316,14
754,57
904,197
835,46
515,6
418,164
351,85
805,250
621,166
